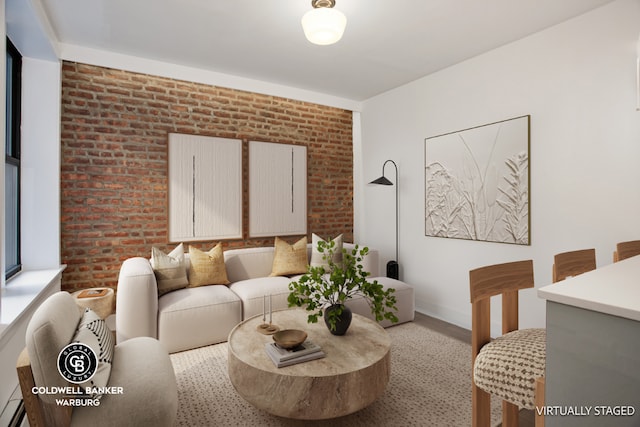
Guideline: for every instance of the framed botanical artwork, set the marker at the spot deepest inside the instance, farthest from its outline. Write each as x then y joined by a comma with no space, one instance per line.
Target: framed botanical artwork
277,189
205,188
477,183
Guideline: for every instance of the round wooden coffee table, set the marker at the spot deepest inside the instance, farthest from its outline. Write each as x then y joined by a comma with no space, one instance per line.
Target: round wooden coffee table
353,374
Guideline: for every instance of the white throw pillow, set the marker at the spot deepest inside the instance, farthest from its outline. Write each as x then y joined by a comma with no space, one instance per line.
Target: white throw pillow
93,332
317,258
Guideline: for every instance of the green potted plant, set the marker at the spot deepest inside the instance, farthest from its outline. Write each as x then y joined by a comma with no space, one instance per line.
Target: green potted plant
324,290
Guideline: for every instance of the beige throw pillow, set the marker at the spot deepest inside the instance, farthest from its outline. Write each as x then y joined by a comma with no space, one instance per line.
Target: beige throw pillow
317,258
170,269
289,259
207,268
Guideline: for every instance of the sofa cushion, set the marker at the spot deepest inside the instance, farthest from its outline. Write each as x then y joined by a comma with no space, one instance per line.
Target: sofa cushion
170,269
193,317
248,263
207,268
508,366
149,392
252,292
289,259
317,258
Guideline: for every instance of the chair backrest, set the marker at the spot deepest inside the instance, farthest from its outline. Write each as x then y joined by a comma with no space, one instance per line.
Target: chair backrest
50,329
626,250
500,279
572,263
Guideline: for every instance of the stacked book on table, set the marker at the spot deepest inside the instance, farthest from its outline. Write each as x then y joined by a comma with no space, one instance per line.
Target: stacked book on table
302,353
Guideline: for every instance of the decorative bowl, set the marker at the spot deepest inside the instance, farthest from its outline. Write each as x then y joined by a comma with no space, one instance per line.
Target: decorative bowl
289,338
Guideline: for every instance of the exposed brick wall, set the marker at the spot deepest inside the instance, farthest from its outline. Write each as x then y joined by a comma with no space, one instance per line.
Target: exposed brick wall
115,127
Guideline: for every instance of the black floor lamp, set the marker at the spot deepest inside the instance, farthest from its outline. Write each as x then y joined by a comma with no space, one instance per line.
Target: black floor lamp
393,268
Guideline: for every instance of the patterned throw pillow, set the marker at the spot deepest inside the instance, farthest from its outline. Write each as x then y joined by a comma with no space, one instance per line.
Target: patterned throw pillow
289,259
170,270
207,268
93,332
317,258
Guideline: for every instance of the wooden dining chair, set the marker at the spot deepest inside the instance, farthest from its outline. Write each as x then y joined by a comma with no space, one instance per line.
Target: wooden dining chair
626,250
569,264
495,361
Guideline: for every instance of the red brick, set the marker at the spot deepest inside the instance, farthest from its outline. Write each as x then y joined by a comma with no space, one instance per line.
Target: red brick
114,161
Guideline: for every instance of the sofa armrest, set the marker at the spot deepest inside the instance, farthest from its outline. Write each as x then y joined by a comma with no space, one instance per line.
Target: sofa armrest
136,301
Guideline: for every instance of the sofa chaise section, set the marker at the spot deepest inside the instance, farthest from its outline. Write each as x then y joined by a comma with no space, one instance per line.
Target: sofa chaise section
180,320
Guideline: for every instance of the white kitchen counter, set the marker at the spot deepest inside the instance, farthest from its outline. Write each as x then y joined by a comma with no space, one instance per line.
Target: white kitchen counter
612,289
593,351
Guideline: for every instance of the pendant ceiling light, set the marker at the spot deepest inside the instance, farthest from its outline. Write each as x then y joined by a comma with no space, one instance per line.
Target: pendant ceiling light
323,24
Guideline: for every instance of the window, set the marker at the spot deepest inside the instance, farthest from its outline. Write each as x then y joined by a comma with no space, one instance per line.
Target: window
12,162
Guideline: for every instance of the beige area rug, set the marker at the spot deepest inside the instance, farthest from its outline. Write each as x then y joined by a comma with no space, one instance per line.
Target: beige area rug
430,386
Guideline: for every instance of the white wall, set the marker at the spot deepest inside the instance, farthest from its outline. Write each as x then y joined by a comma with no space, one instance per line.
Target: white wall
577,81
40,164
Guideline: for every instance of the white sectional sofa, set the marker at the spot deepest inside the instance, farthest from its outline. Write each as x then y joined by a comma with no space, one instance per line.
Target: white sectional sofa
194,317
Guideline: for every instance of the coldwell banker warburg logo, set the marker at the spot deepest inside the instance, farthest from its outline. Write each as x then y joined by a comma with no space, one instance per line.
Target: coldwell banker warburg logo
77,363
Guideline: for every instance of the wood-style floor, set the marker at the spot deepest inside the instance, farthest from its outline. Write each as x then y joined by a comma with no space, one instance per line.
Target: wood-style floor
453,331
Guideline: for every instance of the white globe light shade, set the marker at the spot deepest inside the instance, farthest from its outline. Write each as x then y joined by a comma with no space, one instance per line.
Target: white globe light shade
324,25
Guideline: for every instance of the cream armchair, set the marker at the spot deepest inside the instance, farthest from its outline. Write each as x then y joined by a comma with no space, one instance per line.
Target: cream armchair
141,388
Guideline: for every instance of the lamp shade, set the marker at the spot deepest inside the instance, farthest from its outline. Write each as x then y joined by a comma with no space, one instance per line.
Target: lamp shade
381,181
324,25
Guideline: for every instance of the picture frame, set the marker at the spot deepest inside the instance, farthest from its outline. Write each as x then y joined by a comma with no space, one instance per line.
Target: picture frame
277,189
204,188
477,183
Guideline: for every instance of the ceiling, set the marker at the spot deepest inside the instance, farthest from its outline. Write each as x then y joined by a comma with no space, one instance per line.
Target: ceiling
385,45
